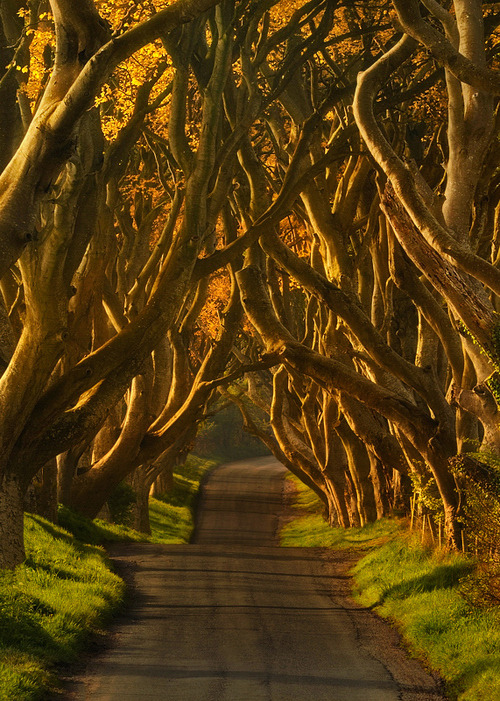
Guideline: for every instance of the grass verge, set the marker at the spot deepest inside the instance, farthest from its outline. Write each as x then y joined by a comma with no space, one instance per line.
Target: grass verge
171,515
169,525
425,592
65,591
187,481
49,606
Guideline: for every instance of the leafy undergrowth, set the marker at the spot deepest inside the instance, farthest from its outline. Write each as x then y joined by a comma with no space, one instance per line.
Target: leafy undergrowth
65,590
426,592
48,607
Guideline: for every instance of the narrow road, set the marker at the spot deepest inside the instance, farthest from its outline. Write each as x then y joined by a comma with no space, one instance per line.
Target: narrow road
233,617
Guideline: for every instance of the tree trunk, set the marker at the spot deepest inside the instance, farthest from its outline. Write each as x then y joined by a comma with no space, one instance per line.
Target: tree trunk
66,470
359,467
41,497
379,482
352,502
11,522
163,483
334,472
141,486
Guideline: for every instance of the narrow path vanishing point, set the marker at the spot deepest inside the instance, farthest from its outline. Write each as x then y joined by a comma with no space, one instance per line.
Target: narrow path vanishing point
233,617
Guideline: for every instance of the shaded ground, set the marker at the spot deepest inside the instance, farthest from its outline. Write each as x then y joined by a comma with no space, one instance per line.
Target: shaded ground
233,617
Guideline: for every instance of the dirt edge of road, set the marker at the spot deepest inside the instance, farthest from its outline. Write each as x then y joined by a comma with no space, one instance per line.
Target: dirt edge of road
380,637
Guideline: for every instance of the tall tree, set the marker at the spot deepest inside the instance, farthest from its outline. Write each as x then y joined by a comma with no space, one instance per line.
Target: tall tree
336,161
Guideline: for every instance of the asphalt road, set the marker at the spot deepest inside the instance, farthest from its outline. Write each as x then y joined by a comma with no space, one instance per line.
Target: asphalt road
233,617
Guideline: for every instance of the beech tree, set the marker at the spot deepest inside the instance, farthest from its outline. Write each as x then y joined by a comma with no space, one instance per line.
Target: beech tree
414,379
333,165
45,189
101,313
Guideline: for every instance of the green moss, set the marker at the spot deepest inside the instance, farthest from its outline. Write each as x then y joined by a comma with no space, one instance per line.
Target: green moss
496,339
493,353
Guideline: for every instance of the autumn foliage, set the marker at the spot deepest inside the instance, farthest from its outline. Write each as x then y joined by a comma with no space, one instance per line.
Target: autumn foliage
291,207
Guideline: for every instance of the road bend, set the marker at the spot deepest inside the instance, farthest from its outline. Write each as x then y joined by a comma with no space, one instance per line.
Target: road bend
234,617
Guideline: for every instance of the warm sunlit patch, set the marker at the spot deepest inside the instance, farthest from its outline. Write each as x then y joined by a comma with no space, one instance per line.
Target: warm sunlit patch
217,299
118,97
42,49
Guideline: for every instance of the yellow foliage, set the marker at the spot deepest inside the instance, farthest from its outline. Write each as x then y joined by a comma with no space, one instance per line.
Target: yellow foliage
117,98
217,299
282,11
41,49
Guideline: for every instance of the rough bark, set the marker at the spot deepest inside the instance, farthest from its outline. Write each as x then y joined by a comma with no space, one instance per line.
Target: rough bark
11,521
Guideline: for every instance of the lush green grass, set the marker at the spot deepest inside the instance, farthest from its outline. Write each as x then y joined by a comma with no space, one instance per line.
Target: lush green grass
171,515
48,607
169,524
306,500
65,589
97,532
187,479
314,532
422,590
310,530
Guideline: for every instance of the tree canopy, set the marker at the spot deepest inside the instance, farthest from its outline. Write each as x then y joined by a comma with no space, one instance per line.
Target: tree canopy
288,206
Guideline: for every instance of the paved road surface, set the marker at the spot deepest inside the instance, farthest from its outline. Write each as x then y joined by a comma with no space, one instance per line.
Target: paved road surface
232,617
241,504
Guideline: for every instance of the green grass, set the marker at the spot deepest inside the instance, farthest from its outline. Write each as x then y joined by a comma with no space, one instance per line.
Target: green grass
171,515
48,607
310,530
314,532
187,480
422,591
97,532
169,524
65,590
305,499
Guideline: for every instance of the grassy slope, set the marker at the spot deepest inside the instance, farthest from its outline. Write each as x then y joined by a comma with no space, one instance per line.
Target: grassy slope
171,516
49,605
65,590
169,524
422,590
